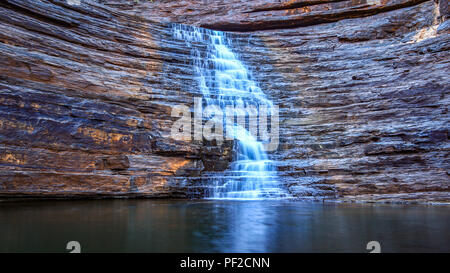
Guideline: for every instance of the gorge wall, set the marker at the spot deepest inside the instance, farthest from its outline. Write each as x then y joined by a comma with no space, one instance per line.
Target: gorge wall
86,94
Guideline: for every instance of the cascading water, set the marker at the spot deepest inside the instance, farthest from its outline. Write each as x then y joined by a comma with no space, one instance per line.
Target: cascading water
223,81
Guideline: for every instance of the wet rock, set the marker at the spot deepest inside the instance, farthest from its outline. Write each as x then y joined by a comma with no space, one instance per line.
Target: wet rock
444,27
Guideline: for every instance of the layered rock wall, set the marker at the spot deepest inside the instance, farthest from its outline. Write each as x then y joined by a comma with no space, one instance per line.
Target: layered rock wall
86,93
85,103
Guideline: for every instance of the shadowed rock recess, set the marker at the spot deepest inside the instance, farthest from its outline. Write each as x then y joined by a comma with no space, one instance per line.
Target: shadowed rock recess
86,94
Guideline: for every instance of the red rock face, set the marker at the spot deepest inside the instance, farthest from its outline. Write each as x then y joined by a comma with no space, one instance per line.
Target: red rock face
86,93
238,15
83,106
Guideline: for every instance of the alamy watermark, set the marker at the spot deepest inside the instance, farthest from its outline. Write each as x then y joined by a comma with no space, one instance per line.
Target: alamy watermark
215,123
74,247
74,2
374,246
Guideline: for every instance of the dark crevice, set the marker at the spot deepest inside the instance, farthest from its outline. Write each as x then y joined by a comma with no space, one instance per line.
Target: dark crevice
294,5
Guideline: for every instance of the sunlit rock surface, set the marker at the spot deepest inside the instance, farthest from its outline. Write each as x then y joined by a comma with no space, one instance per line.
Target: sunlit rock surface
86,94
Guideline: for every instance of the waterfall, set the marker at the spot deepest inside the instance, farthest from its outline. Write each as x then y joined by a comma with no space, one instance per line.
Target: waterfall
224,81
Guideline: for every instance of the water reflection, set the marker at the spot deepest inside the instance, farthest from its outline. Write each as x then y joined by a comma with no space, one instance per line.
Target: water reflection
220,226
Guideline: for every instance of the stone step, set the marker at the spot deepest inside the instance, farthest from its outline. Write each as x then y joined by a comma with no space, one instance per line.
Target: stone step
272,193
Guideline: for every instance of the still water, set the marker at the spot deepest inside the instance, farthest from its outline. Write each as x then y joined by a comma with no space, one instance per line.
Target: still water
220,226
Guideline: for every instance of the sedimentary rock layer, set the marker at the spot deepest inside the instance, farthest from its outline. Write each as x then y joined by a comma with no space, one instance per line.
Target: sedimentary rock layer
85,103
364,104
86,93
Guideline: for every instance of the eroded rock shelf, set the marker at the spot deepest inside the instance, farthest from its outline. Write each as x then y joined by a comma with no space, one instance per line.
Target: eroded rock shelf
86,93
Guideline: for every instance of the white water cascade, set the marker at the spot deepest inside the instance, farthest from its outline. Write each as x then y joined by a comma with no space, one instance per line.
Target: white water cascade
224,80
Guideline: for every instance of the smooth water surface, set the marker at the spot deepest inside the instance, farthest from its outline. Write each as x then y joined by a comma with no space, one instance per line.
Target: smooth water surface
220,226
